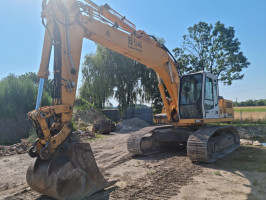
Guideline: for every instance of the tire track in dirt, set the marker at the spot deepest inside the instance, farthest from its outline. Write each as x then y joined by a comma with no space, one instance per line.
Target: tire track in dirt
165,174
157,176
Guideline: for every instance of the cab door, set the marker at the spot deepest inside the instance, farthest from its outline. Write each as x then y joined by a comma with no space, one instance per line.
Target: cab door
211,105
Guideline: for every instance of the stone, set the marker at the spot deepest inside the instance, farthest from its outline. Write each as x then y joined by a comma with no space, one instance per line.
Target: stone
256,143
246,142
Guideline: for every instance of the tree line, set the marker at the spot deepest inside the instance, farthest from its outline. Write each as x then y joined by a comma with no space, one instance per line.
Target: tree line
260,102
18,94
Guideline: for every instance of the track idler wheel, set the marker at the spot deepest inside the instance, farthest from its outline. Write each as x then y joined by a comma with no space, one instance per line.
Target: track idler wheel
72,173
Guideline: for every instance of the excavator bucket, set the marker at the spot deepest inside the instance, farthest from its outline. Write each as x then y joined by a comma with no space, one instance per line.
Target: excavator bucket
72,173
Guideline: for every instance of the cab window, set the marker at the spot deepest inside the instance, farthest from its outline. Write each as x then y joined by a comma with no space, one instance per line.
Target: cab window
208,102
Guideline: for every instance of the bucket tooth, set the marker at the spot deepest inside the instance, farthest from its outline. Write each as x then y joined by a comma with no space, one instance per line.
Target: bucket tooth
72,173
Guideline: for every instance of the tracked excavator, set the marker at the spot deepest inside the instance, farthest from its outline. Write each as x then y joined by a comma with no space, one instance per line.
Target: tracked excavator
65,168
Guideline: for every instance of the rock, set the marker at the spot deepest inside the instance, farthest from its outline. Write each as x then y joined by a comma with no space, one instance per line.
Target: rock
103,126
246,142
256,143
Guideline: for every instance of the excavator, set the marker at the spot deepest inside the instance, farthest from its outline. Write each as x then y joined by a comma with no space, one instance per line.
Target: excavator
65,167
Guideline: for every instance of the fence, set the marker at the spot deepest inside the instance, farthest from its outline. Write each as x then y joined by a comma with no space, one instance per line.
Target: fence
250,116
143,114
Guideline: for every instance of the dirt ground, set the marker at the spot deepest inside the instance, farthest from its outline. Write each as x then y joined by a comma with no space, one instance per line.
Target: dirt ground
166,175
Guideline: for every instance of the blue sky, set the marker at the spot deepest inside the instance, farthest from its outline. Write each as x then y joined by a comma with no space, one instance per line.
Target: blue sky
21,33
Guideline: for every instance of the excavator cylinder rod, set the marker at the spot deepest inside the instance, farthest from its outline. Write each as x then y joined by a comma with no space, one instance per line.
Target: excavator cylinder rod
72,173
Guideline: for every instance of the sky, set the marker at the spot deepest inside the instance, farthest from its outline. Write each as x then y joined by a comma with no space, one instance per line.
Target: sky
21,33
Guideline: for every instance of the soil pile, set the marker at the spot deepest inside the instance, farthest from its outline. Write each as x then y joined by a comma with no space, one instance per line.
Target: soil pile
130,125
84,119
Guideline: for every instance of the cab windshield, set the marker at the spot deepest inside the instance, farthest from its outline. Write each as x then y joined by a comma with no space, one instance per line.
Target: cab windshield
191,89
190,104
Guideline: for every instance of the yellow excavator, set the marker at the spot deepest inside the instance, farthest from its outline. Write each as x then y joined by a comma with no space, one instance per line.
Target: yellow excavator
65,167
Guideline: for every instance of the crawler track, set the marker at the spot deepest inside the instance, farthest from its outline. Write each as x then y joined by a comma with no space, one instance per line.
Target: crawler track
211,143
203,145
139,144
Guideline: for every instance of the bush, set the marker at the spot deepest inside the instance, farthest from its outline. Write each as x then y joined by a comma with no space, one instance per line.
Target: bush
82,104
18,95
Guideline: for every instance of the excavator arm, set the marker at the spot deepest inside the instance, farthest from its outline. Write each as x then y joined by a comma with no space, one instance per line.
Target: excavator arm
60,155
67,23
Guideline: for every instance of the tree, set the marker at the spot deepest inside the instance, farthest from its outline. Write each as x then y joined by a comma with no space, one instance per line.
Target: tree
18,95
261,102
48,84
214,49
97,85
106,74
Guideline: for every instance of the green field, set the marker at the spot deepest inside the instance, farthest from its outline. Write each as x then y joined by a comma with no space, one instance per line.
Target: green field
250,109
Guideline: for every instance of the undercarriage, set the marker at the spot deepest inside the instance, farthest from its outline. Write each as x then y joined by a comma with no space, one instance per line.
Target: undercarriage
204,144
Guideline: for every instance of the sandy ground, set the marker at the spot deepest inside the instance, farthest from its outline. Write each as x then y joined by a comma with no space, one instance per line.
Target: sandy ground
166,175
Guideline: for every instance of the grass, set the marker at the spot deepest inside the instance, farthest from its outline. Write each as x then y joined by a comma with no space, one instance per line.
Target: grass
218,173
255,182
32,136
250,109
98,136
151,172
74,125
82,104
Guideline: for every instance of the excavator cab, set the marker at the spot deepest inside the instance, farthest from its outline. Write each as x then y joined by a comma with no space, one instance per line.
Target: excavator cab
199,96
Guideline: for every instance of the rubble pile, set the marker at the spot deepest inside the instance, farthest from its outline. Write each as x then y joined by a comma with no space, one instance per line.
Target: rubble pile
18,148
248,132
84,135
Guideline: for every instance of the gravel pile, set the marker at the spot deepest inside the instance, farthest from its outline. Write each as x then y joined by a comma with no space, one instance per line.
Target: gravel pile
130,125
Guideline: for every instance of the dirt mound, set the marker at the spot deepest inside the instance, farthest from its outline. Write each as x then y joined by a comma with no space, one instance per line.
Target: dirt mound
84,119
130,125
162,178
